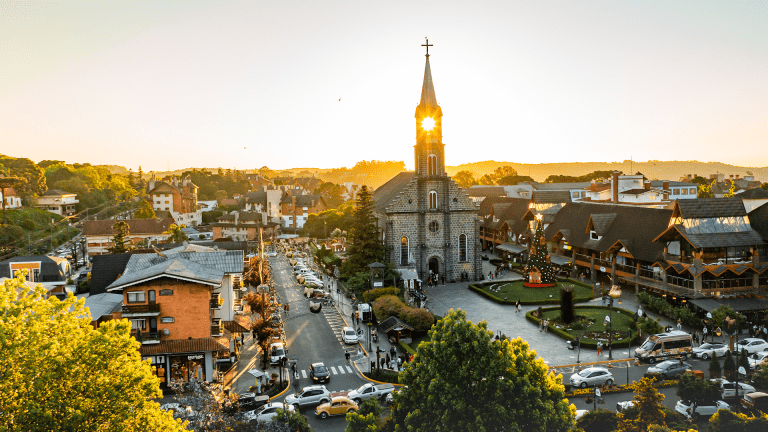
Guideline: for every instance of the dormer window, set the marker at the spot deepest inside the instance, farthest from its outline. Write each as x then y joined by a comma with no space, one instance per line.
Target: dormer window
593,235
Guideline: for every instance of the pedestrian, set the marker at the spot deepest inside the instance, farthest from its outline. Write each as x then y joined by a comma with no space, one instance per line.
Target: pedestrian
295,372
541,324
754,330
679,324
388,359
696,338
393,351
604,297
599,348
704,335
765,333
517,306
546,325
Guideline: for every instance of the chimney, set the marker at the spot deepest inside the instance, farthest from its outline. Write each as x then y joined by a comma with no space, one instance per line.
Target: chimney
737,176
615,186
665,185
647,185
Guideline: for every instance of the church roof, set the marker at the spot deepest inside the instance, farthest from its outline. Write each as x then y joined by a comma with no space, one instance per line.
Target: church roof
428,97
389,190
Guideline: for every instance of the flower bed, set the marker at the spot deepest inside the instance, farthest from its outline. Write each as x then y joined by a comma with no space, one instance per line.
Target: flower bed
588,326
589,391
510,292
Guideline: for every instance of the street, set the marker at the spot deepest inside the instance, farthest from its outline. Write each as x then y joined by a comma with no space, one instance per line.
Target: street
313,338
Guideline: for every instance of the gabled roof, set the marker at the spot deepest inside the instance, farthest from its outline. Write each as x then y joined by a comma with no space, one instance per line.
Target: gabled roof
511,212
708,208
50,267
225,261
176,268
754,193
486,191
389,190
710,240
135,226
105,270
178,346
256,197
103,304
600,223
57,192
488,203
393,322
758,219
634,227
550,197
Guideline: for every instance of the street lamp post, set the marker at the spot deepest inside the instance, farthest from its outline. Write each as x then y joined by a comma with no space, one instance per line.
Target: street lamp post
614,293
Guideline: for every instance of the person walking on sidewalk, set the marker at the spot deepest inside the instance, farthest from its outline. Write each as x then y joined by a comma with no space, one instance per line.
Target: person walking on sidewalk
541,324
599,348
704,335
517,306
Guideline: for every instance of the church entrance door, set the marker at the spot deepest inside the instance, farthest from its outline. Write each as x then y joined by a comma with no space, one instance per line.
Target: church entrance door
434,266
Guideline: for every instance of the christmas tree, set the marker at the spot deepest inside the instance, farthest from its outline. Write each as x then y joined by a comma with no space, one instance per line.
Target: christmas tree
539,269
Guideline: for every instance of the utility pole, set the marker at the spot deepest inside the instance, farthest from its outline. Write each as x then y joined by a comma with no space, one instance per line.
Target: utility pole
51,235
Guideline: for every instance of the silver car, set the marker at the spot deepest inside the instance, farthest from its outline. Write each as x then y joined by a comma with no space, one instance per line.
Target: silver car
312,395
757,358
591,377
707,350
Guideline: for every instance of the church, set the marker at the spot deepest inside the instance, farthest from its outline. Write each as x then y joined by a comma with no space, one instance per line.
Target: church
426,221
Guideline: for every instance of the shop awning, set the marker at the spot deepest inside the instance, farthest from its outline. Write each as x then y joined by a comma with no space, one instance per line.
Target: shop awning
558,260
738,304
183,346
234,327
511,248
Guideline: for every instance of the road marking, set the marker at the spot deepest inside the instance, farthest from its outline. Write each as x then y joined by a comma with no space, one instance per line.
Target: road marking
341,370
303,373
349,369
334,370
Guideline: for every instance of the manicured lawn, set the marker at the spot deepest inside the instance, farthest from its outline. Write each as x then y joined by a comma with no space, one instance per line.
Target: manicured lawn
592,321
415,343
513,291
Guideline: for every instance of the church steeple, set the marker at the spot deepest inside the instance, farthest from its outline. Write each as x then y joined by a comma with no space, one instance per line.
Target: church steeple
429,149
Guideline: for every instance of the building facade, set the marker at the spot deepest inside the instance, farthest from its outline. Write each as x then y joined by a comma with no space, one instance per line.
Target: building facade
57,201
178,197
99,234
427,222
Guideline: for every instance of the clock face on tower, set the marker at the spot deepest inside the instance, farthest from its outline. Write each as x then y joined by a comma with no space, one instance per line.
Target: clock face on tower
428,124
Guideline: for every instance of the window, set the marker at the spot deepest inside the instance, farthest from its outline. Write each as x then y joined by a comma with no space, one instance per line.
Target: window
685,191
151,296
462,248
432,200
675,191
136,297
167,320
693,191
138,324
166,292
432,165
404,251
575,194
434,226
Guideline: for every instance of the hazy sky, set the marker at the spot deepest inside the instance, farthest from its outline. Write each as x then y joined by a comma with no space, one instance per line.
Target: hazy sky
191,84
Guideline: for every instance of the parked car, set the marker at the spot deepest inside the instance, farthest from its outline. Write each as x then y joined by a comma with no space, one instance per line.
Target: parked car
276,352
318,372
755,402
340,405
247,402
624,405
580,414
728,388
669,368
758,358
686,409
315,394
751,345
592,376
349,335
267,412
707,350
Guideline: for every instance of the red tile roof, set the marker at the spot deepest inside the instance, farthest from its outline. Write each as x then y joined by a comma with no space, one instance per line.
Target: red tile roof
135,226
184,346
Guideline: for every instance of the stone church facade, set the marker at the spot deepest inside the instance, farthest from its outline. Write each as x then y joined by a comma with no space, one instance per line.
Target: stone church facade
427,222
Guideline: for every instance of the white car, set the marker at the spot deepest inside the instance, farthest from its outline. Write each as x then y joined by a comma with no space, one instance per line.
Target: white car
707,350
751,345
757,358
580,414
349,335
267,412
728,388
701,410
624,405
592,376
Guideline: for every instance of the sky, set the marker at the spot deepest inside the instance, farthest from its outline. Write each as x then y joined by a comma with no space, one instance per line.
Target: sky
324,84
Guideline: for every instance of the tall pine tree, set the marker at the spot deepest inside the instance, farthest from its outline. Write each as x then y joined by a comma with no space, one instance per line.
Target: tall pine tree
365,247
539,259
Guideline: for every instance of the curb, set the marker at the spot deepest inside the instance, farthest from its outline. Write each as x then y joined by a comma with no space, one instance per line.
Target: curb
362,375
288,386
336,306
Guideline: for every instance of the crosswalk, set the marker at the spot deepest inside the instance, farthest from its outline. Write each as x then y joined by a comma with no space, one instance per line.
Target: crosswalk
335,370
337,324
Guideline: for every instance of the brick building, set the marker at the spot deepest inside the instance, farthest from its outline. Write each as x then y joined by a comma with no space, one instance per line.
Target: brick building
427,222
178,197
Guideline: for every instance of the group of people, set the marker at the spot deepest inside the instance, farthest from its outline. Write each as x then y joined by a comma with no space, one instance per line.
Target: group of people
393,361
433,280
543,325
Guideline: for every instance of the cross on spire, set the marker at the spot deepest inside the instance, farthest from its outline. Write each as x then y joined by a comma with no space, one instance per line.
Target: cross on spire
427,45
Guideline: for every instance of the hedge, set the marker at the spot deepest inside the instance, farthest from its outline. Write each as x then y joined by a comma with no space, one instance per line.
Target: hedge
389,305
585,343
407,348
554,300
383,375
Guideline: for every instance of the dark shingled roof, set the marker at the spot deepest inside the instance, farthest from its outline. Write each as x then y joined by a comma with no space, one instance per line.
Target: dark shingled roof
389,190
510,211
50,267
486,191
758,219
635,227
709,208
754,193
550,197
256,197
602,222
489,202
56,192
105,270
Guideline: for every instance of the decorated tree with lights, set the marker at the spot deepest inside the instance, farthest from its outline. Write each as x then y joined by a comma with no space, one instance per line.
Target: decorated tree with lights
538,261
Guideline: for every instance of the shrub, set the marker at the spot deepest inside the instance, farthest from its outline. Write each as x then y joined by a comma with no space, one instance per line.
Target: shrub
761,378
566,304
598,421
420,319
371,295
388,305
714,367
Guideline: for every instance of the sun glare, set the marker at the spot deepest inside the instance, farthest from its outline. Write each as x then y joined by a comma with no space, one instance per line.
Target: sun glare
428,124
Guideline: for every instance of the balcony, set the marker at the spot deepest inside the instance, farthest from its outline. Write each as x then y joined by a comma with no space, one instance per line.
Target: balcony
141,310
147,338
216,330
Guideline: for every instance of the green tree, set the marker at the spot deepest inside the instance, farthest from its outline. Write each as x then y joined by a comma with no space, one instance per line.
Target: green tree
513,180
33,175
723,316
364,245
649,326
465,179
705,190
463,380
221,195
175,233
729,366
744,360
120,242
697,390
714,366
567,313
649,409
600,420
145,211
539,259
262,310
366,419
59,373
288,421
331,193
729,421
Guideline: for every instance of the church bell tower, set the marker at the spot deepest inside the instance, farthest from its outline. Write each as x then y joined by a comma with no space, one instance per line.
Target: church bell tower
429,150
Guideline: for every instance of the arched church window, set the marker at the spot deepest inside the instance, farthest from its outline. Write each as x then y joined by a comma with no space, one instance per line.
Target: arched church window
432,165
404,251
434,226
462,248
432,200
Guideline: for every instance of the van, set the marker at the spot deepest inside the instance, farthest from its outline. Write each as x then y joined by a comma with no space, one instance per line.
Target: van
664,345
276,353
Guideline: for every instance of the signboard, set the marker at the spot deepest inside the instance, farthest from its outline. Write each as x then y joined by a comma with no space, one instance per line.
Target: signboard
262,289
602,269
598,393
378,284
195,357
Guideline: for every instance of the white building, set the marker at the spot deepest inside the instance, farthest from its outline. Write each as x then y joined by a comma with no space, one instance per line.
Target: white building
59,202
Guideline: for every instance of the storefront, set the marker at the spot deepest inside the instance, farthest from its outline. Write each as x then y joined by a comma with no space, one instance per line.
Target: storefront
160,367
179,361
186,367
